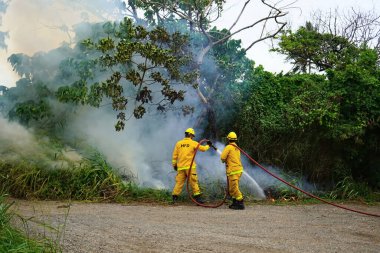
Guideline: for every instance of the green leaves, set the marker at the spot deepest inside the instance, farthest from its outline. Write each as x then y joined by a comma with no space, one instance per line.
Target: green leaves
134,77
106,44
307,49
139,111
326,126
77,93
30,110
357,91
134,61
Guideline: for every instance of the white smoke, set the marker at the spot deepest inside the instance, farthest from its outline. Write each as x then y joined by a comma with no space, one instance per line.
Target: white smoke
215,169
16,141
144,148
42,25
254,179
18,144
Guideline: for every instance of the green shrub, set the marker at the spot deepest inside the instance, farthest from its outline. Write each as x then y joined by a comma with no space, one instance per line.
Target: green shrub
350,190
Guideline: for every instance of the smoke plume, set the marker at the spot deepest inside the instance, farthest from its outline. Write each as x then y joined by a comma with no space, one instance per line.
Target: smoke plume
143,149
18,144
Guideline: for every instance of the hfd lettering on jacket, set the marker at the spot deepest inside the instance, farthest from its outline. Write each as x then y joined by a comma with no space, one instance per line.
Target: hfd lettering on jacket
184,151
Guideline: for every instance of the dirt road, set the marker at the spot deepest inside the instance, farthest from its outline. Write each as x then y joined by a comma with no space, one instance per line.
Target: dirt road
187,228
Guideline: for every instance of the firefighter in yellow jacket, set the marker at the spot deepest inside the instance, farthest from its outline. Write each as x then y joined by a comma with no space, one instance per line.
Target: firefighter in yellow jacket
183,154
234,169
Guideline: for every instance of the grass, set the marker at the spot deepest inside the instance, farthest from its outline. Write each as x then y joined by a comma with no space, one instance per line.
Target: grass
348,189
345,190
94,180
14,240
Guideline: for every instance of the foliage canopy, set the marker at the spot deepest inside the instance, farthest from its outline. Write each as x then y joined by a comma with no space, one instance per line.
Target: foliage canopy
140,60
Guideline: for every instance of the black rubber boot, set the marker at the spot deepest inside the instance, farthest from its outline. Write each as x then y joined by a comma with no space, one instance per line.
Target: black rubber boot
233,204
239,205
174,199
198,199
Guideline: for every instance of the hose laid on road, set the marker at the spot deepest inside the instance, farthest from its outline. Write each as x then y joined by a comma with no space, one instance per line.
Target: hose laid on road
304,192
278,178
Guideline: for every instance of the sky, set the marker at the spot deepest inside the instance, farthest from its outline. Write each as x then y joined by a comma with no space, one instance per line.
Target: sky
299,13
41,25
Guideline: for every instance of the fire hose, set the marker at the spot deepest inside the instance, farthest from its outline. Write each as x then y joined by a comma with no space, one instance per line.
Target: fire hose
273,175
188,178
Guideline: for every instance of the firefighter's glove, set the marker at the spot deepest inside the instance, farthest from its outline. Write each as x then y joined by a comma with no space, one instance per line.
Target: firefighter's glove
210,144
175,167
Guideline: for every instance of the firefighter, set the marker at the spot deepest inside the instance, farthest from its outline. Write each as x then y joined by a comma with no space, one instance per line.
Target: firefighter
183,154
234,169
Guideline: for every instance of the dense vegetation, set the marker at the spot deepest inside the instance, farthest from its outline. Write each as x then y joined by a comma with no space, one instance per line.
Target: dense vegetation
93,180
323,125
320,120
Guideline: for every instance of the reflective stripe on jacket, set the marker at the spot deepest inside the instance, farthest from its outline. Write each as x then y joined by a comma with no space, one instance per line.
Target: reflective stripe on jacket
231,156
184,151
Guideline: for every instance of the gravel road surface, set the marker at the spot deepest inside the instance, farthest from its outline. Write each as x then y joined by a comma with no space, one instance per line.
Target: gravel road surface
102,227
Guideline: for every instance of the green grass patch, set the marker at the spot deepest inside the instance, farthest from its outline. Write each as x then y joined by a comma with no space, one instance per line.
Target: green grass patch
14,240
94,180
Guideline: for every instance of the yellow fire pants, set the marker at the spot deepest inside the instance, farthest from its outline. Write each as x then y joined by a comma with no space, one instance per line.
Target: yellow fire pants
233,186
181,179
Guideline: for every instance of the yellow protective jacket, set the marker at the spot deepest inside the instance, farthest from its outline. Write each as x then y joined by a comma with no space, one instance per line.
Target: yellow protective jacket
184,151
231,156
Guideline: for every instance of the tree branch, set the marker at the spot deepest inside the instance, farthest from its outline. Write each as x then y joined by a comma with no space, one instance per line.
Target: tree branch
266,37
241,12
247,27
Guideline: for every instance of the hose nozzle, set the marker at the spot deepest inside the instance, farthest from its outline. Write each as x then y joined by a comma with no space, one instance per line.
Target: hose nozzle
211,145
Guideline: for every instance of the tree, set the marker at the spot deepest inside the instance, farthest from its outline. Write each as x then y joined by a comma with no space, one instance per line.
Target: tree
308,49
325,126
227,85
358,27
122,63
330,40
30,100
3,35
142,62
357,89
357,126
159,49
198,17
3,90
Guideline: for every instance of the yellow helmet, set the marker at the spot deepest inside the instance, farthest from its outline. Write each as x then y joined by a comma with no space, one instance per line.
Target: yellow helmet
232,136
190,131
